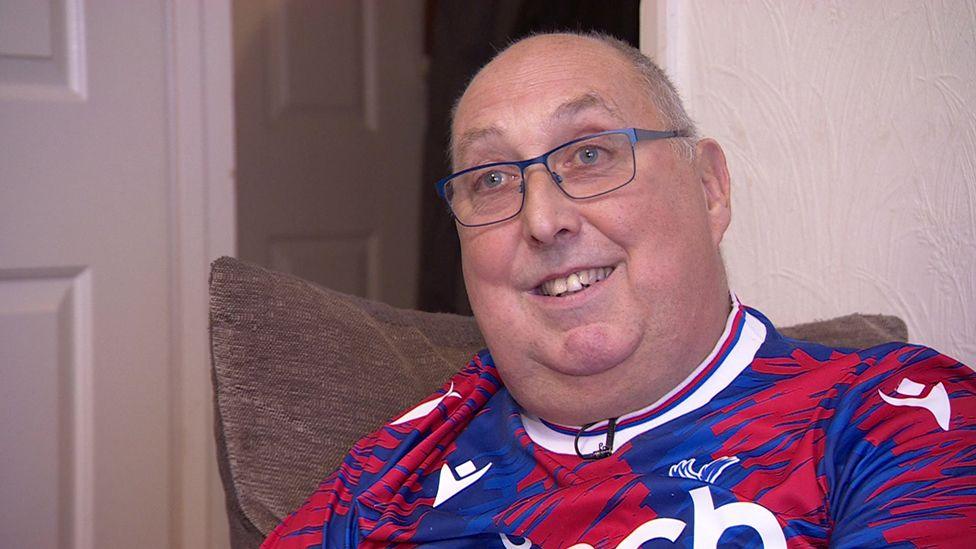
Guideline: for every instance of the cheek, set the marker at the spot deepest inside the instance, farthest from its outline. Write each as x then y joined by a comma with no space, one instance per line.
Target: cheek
486,265
669,212
666,237
648,231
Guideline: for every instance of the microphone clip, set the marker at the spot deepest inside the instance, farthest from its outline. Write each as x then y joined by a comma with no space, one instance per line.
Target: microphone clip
605,449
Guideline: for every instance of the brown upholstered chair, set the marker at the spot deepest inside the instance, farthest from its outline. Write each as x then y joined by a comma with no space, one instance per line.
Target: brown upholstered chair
301,372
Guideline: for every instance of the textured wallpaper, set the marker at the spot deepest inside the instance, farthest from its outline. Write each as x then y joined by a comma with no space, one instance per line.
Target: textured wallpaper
850,129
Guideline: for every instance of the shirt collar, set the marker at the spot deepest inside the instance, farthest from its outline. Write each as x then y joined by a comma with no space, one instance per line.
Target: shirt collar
734,351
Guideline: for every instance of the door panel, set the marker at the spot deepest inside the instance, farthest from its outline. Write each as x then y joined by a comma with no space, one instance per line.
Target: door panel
46,401
330,121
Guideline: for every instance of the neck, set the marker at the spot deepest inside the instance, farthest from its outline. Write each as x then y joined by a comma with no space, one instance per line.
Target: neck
639,382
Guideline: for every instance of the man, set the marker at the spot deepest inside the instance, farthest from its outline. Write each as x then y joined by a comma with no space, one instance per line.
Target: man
627,397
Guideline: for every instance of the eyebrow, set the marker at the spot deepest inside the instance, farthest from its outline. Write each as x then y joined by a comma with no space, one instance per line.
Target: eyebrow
471,137
568,109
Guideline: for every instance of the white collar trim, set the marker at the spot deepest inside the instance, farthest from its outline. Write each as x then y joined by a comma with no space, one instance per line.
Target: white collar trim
751,336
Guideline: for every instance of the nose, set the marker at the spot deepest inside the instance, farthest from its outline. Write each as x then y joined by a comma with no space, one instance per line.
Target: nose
548,215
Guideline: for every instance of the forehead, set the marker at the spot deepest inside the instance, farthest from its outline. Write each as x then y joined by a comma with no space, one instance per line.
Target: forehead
544,83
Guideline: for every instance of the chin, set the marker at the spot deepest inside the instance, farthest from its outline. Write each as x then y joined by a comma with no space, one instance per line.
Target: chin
594,349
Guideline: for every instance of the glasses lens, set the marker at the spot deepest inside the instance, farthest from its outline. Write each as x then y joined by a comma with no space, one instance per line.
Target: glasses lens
594,166
485,195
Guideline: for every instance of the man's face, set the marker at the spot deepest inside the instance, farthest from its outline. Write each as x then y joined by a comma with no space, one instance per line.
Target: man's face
657,237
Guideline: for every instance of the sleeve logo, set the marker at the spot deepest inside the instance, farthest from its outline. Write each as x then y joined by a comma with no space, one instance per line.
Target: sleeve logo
936,402
452,482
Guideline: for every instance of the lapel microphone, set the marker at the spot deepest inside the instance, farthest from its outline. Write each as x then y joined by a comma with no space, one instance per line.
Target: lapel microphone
605,449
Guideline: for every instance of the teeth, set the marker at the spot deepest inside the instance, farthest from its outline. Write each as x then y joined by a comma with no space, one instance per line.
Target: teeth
574,282
559,286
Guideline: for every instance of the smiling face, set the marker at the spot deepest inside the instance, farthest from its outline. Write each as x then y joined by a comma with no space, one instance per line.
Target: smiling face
591,308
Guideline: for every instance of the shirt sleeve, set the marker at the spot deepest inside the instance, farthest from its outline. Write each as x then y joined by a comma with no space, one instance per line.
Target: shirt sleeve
325,516
901,453
382,461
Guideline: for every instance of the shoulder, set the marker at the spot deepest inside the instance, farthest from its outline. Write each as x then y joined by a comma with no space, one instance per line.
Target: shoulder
893,387
895,453
467,390
861,371
900,446
913,387
406,439
383,459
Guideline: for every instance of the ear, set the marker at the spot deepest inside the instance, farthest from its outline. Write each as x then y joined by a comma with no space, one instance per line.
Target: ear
714,175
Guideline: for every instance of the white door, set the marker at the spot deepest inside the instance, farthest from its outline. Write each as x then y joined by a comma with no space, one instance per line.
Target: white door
103,237
330,122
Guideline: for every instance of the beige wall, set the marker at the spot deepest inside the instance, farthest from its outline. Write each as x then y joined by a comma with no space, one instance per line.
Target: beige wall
851,135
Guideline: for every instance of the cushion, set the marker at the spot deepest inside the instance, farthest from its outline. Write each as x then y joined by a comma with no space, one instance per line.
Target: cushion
301,373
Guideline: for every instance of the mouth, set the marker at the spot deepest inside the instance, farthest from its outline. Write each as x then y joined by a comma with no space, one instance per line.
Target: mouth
573,283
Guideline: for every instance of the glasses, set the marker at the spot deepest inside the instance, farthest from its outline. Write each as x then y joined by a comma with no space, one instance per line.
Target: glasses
585,167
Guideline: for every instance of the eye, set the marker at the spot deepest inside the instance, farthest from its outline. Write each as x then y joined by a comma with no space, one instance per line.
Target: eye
492,179
588,154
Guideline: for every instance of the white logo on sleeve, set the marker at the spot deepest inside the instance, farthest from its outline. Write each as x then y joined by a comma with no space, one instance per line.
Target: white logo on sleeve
936,402
425,408
452,482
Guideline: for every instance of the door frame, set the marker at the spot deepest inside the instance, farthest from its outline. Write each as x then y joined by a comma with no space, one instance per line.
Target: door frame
202,227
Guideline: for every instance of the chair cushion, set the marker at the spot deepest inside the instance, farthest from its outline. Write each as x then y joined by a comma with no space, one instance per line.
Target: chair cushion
302,372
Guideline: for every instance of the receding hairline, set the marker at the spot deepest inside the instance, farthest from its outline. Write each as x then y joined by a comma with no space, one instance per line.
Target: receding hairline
661,93
566,37
583,102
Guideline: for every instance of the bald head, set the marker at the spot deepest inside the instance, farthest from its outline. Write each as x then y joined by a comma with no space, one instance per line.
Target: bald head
610,57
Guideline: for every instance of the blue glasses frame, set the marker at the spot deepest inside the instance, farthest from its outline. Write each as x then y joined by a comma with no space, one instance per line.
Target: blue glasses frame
634,134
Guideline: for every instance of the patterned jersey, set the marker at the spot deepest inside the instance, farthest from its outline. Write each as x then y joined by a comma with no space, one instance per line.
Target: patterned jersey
770,442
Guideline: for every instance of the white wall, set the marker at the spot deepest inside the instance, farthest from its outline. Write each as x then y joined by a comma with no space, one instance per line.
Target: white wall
851,135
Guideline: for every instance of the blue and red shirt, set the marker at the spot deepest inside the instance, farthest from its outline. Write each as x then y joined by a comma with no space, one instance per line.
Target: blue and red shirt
770,442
